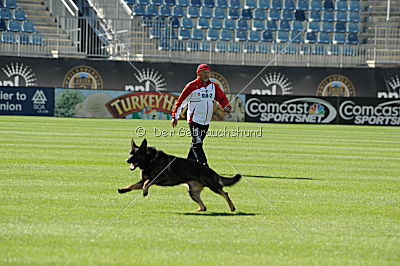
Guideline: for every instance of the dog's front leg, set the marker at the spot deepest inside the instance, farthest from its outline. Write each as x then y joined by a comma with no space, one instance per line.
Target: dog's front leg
146,186
137,185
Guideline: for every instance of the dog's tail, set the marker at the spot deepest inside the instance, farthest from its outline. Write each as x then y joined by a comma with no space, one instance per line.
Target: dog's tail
230,181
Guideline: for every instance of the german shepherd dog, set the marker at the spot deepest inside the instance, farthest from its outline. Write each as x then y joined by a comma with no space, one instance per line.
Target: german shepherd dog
159,168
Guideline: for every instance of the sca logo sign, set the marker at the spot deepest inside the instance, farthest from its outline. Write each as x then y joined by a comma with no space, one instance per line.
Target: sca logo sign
18,75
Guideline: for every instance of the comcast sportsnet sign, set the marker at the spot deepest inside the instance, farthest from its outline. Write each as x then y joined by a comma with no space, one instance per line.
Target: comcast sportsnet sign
277,109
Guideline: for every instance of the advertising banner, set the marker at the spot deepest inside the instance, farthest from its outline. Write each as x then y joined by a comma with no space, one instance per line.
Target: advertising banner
172,77
26,101
282,109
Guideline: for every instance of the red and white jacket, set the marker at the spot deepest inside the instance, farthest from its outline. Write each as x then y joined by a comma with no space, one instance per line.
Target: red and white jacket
200,99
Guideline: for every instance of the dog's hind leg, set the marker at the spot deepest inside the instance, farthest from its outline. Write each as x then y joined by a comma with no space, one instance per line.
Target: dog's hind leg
137,185
194,191
226,197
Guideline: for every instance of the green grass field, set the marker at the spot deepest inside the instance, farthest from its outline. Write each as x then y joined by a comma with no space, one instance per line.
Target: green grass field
338,185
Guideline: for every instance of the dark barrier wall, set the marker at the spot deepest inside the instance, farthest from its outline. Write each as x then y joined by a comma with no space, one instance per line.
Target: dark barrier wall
322,110
26,101
120,75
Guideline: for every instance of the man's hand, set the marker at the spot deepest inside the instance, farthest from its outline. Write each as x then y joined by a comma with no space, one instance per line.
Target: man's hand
174,122
227,109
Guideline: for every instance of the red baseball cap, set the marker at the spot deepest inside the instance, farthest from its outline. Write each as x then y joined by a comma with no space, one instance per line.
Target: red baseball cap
202,67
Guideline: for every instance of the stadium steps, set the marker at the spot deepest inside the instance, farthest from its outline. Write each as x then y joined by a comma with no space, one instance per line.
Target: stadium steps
47,25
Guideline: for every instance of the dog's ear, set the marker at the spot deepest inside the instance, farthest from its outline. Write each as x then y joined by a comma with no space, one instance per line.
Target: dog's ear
133,144
143,146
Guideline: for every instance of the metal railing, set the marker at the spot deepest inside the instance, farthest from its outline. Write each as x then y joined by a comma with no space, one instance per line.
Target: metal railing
158,41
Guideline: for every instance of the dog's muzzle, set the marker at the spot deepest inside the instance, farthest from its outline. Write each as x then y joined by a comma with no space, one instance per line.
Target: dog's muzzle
132,167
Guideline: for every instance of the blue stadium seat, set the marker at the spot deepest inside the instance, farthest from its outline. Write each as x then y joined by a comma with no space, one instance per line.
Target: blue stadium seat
340,27
284,26
276,4
221,47
155,33
318,50
178,11
182,3
203,23
289,5
315,16
328,16
226,35
2,25
170,2
156,2
341,16
341,5
352,27
219,12
19,14
138,10
197,34
193,12
234,47
302,5
205,46
296,37
229,24
287,15
297,25
352,38
274,14
313,26
316,5
221,4
193,46
37,39
247,14
310,37
187,23
233,13
263,4
240,36
169,33
147,21
242,24
206,12
5,14
353,17
271,25
195,3
216,24
143,2
130,2
212,35
327,27
159,19
209,3
184,34
283,36
299,15
339,38
14,26
354,6
260,14
258,25
328,5
267,36
234,4
175,22
249,47
254,36
324,38
165,11
10,3
250,4
8,37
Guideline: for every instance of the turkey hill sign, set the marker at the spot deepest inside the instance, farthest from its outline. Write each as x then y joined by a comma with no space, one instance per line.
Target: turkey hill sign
140,101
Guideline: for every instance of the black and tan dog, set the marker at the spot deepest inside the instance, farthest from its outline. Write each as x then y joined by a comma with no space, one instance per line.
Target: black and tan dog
159,168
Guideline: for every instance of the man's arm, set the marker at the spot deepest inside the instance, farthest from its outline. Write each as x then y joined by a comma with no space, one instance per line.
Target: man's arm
221,99
181,103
